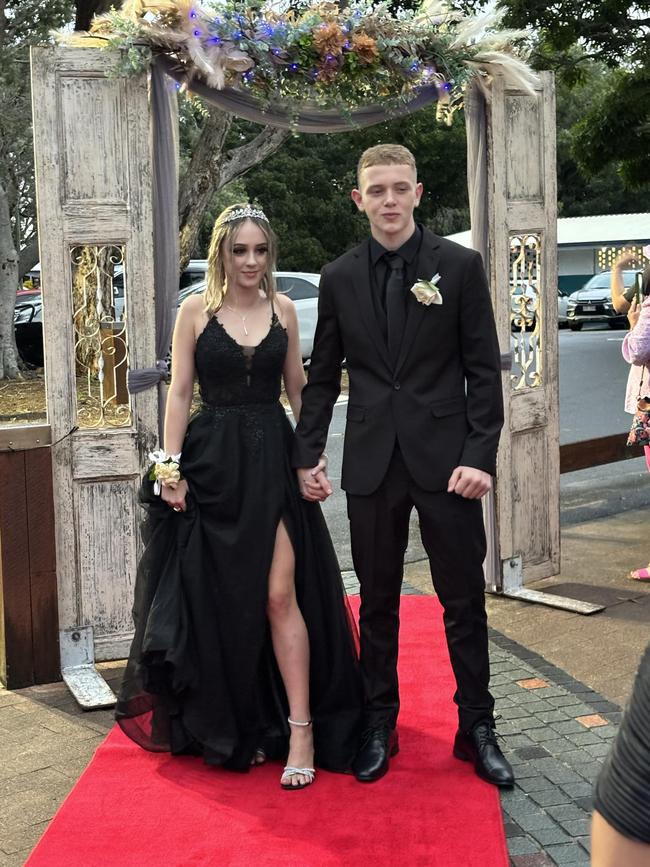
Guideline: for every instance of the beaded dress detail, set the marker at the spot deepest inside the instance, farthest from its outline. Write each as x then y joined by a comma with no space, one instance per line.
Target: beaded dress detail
201,676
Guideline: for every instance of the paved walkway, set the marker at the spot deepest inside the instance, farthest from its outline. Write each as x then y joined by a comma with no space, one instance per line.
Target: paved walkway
559,680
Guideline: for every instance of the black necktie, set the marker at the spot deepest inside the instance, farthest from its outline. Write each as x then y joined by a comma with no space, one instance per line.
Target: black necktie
395,306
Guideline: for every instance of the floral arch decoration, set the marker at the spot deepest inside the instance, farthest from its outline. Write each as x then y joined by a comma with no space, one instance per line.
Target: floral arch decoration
314,66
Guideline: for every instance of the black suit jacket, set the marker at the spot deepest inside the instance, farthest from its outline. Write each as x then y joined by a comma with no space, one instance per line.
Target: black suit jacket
442,400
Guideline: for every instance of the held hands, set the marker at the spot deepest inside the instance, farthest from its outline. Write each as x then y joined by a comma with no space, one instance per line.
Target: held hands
469,482
633,313
313,483
175,496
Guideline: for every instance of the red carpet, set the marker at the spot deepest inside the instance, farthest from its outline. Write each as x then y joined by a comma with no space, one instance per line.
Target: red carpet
136,809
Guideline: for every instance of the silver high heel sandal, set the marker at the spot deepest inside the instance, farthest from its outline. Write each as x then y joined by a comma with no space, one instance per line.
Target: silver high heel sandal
290,771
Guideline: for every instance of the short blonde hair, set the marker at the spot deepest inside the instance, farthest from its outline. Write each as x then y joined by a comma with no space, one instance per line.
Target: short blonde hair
223,237
385,155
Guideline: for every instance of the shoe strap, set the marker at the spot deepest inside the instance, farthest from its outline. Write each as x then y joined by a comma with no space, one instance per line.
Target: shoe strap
295,722
290,771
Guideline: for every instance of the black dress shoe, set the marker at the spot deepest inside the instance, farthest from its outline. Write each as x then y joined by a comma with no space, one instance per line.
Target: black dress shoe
480,747
378,744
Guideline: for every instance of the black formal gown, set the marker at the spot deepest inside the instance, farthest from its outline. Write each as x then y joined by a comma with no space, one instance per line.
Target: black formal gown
201,676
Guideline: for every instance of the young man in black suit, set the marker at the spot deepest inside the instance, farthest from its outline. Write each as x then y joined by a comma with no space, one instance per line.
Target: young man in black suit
423,422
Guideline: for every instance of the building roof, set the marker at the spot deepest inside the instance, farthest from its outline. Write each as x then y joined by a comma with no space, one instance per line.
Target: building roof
580,231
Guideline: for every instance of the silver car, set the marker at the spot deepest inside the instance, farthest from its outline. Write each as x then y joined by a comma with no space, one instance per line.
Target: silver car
593,303
300,286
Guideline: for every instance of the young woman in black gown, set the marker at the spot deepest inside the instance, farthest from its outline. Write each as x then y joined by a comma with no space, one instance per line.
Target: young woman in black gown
243,634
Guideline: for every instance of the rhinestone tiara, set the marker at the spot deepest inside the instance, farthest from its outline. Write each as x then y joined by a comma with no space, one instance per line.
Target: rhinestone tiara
243,213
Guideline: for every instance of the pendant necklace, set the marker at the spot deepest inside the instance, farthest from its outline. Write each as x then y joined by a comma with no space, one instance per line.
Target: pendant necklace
243,318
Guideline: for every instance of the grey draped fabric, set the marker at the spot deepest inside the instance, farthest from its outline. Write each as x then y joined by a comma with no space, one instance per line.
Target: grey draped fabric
165,235
476,122
312,120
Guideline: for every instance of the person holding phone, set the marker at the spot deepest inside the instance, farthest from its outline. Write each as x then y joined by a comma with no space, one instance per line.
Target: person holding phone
622,297
636,351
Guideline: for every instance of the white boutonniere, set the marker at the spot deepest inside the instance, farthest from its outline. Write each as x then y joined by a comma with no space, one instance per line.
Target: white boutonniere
427,292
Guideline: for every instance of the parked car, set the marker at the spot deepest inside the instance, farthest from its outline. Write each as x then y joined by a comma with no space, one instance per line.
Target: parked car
522,307
526,308
562,308
28,326
593,303
301,287
28,320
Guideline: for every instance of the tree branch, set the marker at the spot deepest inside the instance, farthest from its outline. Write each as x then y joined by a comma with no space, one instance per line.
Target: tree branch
28,256
87,9
239,160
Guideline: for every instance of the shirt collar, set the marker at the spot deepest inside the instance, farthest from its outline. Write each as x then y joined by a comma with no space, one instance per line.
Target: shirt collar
408,251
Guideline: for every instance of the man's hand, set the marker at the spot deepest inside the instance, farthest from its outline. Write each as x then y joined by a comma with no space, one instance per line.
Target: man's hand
313,483
469,482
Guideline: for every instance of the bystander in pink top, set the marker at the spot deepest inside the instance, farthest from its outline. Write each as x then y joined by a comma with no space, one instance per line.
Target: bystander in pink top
636,351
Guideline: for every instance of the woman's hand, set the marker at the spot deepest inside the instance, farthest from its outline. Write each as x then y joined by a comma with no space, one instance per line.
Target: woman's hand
175,497
633,313
624,260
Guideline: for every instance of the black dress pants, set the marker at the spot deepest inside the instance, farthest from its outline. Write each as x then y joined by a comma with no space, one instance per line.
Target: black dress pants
453,536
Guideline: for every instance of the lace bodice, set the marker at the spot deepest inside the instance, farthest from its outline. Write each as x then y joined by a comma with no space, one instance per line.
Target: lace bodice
231,374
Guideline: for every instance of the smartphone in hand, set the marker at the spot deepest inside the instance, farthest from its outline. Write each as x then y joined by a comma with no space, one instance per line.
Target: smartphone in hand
634,292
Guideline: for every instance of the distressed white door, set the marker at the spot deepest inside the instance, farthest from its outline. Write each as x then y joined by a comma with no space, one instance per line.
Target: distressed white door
523,263
93,172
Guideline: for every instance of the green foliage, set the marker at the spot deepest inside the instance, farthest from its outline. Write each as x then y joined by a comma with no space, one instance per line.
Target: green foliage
24,23
598,188
305,187
615,129
612,131
228,195
613,31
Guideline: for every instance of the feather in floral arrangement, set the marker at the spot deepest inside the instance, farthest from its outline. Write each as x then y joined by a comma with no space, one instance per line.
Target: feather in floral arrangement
317,53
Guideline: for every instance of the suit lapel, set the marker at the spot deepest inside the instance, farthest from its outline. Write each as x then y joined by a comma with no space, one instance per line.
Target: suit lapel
427,266
360,277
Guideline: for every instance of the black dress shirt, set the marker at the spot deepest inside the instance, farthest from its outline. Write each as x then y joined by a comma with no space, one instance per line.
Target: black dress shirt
379,271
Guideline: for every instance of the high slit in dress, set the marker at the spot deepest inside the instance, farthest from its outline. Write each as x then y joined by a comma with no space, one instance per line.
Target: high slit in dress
201,676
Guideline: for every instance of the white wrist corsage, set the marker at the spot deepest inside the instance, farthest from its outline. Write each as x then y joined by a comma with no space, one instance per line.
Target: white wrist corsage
165,470
427,292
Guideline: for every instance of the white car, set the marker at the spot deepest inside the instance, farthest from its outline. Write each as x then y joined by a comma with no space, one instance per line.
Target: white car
300,286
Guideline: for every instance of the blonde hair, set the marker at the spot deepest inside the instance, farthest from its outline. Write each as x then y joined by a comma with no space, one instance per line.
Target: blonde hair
223,238
385,155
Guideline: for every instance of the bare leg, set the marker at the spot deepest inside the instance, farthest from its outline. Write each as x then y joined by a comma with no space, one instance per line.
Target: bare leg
291,647
609,848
